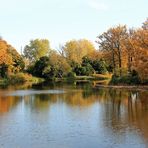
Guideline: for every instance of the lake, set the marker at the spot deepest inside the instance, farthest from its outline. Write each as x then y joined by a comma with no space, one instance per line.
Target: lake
72,116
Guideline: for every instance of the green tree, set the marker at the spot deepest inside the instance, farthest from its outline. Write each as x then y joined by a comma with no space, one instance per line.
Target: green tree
53,66
40,66
100,66
60,62
83,69
36,49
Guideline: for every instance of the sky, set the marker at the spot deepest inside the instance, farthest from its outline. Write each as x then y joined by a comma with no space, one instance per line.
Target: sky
62,20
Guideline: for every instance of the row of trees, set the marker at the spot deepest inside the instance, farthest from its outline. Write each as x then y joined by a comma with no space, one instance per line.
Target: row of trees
122,51
127,49
76,56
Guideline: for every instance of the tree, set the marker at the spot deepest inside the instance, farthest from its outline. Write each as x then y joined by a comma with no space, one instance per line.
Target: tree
50,67
126,49
75,50
36,49
60,62
112,42
140,59
100,66
10,59
18,62
83,69
40,66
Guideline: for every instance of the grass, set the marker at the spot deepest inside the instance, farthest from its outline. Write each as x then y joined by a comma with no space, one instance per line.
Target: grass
20,78
95,77
102,76
84,78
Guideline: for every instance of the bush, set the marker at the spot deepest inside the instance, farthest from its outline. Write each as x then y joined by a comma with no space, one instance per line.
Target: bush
22,78
18,78
71,76
83,70
100,66
127,79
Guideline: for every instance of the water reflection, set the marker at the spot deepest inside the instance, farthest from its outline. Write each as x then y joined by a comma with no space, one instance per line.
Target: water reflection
8,103
117,111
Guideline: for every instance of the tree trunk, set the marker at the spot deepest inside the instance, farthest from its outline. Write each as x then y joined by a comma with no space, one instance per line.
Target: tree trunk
114,63
120,60
120,64
129,63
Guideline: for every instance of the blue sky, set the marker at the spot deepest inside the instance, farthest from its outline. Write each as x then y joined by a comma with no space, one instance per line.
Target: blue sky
63,20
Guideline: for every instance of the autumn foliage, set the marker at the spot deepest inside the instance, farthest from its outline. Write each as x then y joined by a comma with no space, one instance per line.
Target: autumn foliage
10,59
126,49
122,52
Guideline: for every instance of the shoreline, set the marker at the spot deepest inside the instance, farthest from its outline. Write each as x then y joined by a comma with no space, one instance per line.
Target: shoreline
130,87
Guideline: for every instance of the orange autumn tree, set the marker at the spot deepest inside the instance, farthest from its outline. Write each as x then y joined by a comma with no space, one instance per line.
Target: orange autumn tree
112,44
137,50
126,49
5,59
140,61
10,60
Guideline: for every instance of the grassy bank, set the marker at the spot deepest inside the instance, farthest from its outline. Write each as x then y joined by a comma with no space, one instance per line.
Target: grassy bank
98,80
130,79
20,78
124,82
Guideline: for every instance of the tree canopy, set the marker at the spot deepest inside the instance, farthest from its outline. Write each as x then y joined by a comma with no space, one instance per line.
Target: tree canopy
122,51
75,50
126,49
36,49
10,60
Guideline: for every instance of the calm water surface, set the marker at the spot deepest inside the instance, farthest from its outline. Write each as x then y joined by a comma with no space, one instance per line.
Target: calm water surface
72,116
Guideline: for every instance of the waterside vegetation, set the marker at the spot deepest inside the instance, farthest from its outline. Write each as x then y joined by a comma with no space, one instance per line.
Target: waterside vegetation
121,59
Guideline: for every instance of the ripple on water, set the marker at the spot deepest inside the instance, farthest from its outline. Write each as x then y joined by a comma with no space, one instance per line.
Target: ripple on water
32,92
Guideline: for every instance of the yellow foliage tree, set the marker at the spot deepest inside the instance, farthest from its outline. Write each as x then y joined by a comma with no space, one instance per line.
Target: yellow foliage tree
75,50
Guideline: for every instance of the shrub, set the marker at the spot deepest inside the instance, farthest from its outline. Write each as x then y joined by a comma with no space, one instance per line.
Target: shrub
100,66
71,76
19,78
82,70
127,79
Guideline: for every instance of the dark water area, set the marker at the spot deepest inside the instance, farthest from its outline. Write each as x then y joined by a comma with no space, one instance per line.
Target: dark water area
72,116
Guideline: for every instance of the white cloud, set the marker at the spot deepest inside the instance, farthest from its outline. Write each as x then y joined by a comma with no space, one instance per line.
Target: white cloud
98,5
